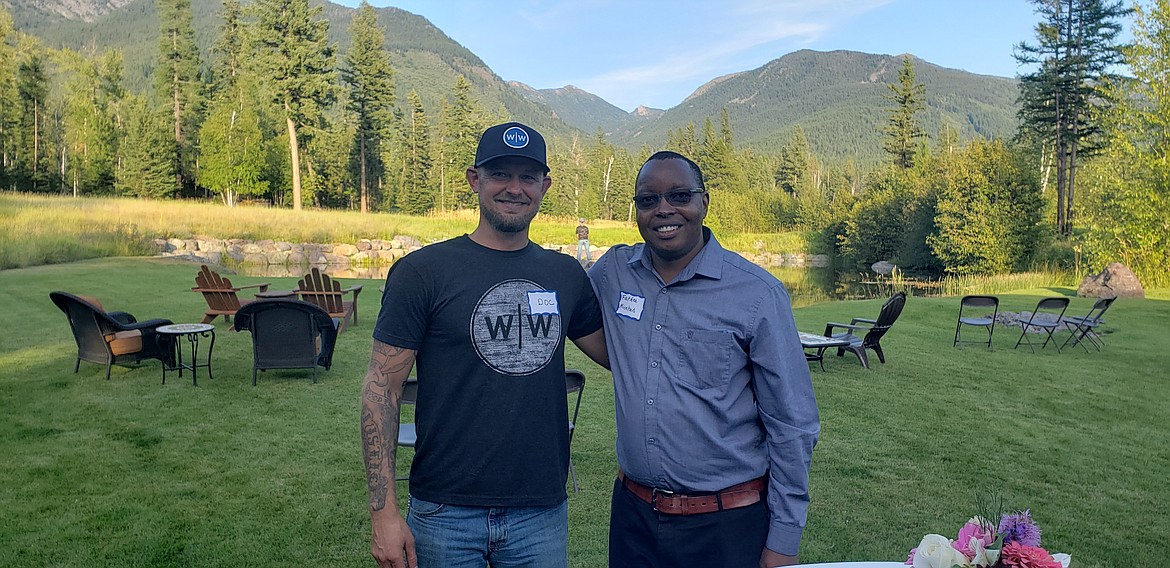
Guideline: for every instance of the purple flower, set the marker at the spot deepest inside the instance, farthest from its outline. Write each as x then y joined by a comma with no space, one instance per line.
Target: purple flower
1020,528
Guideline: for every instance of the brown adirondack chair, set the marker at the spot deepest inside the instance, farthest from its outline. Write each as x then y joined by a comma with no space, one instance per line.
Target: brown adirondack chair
220,294
320,289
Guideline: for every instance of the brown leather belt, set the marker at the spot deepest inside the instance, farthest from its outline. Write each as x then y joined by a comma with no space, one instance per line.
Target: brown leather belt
670,503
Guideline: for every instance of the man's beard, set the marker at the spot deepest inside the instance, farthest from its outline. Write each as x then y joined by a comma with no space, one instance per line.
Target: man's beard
502,224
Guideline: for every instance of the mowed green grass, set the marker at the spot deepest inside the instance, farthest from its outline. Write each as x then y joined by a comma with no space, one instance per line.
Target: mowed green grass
130,472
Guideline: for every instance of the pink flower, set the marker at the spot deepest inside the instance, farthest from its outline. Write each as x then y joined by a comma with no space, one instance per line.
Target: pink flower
977,528
1016,555
910,559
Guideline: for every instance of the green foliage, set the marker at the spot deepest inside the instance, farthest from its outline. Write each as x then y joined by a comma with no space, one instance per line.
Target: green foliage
1061,99
292,51
416,195
1126,207
147,168
371,97
90,111
177,84
903,131
988,212
461,121
232,161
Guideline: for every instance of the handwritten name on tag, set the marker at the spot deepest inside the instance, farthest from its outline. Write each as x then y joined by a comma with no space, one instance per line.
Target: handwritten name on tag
543,302
630,306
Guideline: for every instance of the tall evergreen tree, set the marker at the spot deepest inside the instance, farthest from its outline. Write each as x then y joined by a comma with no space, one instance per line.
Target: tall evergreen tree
9,98
903,129
147,167
1061,100
228,47
371,97
32,85
416,197
460,124
793,171
293,51
177,83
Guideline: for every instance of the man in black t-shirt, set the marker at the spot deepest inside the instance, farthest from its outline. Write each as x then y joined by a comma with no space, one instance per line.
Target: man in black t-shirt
484,316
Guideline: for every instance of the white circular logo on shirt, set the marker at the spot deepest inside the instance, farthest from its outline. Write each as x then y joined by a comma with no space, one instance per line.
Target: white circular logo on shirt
508,337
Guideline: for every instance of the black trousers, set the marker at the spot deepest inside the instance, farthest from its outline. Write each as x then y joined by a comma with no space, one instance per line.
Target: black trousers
640,537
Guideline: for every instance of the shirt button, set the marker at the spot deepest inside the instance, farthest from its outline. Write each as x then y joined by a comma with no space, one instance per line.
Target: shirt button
663,291
651,440
654,364
658,327
651,401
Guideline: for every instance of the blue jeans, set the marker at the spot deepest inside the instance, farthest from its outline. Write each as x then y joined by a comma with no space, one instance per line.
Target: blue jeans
450,536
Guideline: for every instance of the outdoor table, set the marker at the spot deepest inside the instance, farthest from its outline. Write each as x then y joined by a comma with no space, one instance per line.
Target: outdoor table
276,294
820,343
170,338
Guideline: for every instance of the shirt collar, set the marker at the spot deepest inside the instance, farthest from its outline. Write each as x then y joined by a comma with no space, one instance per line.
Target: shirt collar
708,263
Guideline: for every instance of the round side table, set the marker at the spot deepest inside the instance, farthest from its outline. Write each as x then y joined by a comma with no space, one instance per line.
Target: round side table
170,338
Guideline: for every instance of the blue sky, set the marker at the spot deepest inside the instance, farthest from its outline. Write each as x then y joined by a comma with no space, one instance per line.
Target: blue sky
656,53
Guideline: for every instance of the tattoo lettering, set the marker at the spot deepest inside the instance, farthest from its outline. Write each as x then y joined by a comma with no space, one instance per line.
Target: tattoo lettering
375,457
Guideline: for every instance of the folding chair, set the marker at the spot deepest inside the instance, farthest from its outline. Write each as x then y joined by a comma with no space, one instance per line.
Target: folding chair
1085,326
981,303
574,383
1047,317
407,433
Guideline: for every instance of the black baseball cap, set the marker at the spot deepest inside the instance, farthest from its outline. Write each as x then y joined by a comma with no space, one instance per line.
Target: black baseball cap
511,139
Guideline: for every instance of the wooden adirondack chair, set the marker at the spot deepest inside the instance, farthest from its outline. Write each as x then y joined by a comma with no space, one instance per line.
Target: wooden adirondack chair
220,294
320,289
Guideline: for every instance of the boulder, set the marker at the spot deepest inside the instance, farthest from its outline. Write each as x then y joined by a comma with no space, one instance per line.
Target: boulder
344,250
883,267
1116,281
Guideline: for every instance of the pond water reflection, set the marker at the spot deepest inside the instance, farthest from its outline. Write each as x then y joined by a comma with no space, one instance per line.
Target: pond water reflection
806,286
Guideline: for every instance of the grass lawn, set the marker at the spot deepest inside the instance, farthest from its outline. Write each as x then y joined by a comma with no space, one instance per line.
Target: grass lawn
130,472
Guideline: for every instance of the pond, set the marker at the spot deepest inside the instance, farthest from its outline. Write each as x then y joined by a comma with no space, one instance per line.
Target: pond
806,286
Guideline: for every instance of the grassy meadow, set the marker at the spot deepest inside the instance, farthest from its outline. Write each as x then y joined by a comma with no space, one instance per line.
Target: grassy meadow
131,472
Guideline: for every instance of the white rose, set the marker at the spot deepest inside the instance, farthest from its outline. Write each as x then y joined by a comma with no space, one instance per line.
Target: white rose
935,551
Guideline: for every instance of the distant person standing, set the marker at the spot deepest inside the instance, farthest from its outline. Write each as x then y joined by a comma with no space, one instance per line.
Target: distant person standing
582,240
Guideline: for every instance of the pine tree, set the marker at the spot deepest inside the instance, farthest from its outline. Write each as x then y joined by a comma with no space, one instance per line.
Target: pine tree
460,124
228,47
9,98
1062,99
371,97
795,156
177,83
32,87
292,50
903,130
147,168
417,197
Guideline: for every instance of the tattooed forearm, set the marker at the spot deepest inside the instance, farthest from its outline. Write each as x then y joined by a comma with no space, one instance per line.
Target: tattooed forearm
389,369
375,454
389,360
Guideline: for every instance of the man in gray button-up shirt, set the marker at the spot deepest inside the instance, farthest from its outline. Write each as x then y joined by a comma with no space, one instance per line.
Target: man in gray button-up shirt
716,418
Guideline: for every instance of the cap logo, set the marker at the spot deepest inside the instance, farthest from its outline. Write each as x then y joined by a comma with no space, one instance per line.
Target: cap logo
516,137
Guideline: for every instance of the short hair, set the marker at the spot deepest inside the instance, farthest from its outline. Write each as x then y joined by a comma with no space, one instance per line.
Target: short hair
669,155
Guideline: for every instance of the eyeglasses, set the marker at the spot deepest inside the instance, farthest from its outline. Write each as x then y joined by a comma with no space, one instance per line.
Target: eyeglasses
675,197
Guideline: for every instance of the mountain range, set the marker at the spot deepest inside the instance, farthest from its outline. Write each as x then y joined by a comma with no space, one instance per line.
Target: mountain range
836,97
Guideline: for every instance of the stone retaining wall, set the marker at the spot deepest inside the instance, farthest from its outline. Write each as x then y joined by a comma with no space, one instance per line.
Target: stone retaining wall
376,252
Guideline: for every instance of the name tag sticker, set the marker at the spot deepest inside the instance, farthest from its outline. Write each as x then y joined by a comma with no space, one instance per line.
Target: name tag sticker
543,302
630,306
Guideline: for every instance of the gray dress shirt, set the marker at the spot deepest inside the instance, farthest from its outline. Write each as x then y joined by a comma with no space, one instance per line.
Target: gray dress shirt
710,382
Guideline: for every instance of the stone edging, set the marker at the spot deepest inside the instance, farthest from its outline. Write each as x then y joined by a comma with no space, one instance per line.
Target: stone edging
378,252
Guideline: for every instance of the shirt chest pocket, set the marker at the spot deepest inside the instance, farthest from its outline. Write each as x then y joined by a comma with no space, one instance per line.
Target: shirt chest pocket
709,357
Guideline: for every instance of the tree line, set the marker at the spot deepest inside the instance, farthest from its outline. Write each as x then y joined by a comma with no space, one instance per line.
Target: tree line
278,116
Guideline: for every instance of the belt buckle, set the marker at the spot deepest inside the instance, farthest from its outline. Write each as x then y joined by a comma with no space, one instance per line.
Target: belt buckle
654,492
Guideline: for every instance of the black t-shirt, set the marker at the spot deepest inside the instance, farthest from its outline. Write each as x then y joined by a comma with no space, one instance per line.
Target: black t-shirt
489,327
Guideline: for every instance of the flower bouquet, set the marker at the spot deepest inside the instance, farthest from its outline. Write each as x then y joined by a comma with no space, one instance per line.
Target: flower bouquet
1012,543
